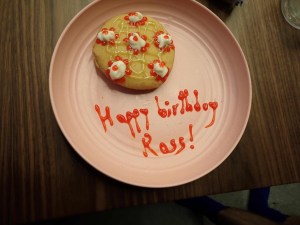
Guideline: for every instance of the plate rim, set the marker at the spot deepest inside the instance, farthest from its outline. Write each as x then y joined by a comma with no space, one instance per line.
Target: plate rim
148,185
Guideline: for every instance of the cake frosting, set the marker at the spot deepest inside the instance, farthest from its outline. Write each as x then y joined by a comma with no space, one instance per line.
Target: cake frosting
136,42
164,40
106,35
160,69
117,70
135,17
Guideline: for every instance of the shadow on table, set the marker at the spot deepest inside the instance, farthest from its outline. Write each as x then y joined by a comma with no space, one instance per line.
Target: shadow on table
158,214
280,208
219,7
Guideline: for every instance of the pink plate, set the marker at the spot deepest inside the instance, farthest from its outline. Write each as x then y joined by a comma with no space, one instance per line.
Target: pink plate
190,141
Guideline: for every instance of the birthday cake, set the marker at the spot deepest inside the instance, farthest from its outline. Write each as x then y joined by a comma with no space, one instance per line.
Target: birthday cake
134,51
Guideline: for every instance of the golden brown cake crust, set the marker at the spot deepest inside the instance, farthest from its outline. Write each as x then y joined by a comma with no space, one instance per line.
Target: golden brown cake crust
134,51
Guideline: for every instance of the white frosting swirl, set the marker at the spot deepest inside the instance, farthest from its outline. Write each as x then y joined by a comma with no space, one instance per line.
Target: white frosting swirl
117,70
160,69
136,42
136,17
106,35
164,40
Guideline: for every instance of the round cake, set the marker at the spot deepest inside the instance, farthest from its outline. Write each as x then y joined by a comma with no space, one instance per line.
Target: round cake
134,51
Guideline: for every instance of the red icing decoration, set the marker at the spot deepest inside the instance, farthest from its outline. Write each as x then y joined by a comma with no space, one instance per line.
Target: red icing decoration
133,115
153,73
145,113
138,23
105,117
183,97
197,105
214,106
135,38
115,68
146,140
191,135
111,42
167,48
173,146
186,106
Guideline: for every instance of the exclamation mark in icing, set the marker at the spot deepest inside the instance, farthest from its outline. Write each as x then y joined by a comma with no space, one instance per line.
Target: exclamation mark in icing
191,136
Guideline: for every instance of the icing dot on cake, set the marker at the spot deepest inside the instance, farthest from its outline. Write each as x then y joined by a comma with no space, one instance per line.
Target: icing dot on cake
160,69
136,42
164,40
106,35
117,70
135,17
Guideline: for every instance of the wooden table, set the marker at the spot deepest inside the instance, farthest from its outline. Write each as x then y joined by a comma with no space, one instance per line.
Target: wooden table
42,177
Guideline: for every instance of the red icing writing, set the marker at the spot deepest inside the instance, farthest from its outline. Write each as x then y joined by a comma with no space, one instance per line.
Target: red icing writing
161,112
191,135
104,118
197,106
186,106
214,106
146,140
134,115
186,103
163,147
164,112
145,113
